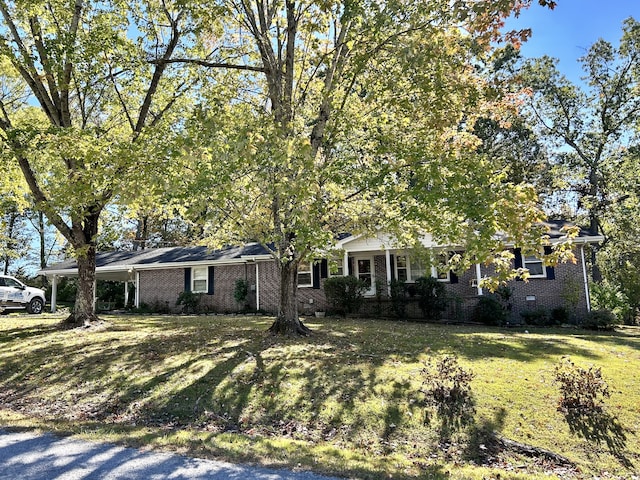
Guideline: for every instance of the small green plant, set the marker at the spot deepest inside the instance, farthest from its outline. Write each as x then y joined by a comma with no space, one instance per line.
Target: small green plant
241,291
489,311
190,301
432,297
600,320
446,390
582,390
345,294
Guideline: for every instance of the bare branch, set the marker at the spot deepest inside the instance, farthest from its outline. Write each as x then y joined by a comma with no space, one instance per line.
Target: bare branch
207,64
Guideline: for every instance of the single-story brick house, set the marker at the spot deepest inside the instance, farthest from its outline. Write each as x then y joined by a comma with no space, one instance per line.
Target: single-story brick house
161,274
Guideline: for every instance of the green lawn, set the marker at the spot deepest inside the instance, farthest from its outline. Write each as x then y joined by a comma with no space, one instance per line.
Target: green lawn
344,401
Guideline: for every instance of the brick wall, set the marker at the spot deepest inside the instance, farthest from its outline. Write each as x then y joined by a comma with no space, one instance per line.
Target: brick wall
162,287
310,299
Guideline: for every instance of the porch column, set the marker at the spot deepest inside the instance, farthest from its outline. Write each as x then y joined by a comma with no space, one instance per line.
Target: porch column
345,264
387,259
126,293
95,292
479,278
54,293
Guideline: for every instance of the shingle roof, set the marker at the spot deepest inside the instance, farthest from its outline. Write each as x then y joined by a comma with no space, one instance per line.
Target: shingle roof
154,256
556,229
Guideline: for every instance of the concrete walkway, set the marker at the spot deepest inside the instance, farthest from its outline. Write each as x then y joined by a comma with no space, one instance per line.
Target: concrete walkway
29,456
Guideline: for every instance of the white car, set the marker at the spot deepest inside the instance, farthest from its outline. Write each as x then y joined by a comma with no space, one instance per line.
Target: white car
15,295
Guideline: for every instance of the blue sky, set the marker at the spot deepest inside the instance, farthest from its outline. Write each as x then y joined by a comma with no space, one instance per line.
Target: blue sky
567,31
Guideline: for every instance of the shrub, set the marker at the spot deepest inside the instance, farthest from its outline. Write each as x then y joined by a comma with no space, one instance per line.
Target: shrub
538,317
600,320
608,296
190,301
345,294
446,388
432,297
398,291
560,315
582,391
241,291
489,311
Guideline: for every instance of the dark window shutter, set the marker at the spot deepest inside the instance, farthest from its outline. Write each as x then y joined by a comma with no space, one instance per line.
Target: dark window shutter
517,253
210,287
453,278
187,279
551,272
352,268
316,275
324,268
393,267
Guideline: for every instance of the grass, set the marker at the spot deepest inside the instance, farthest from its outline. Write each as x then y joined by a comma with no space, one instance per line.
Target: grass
345,401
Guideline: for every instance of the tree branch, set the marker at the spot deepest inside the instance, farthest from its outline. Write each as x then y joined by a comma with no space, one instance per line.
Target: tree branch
207,64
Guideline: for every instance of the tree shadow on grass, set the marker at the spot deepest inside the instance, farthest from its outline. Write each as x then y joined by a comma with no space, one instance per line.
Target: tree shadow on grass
600,427
23,333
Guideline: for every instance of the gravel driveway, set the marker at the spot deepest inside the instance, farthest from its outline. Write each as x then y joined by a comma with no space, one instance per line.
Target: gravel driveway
29,456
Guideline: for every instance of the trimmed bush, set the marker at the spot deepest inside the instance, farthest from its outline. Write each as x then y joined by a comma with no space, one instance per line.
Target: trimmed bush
345,294
560,315
538,317
190,301
398,291
432,297
241,291
489,310
600,320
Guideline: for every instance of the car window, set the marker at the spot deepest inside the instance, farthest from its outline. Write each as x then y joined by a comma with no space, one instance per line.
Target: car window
10,282
1,282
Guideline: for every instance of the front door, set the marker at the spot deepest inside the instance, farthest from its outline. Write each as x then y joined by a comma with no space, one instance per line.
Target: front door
365,272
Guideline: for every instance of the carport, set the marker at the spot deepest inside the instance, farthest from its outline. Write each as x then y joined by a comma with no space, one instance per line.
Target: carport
111,266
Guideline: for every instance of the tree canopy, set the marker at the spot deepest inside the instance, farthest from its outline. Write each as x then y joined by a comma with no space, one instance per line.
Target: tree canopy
285,122
89,117
350,117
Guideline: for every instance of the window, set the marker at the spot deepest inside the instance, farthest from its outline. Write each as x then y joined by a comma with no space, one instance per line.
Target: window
534,265
402,268
441,271
199,281
336,268
305,274
409,270
10,282
441,275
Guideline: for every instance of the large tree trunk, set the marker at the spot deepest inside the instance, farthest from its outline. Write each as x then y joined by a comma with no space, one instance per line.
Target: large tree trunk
10,241
287,322
84,311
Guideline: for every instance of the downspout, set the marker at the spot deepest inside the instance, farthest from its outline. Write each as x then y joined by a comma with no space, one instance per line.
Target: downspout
257,287
478,279
137,297
585,278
